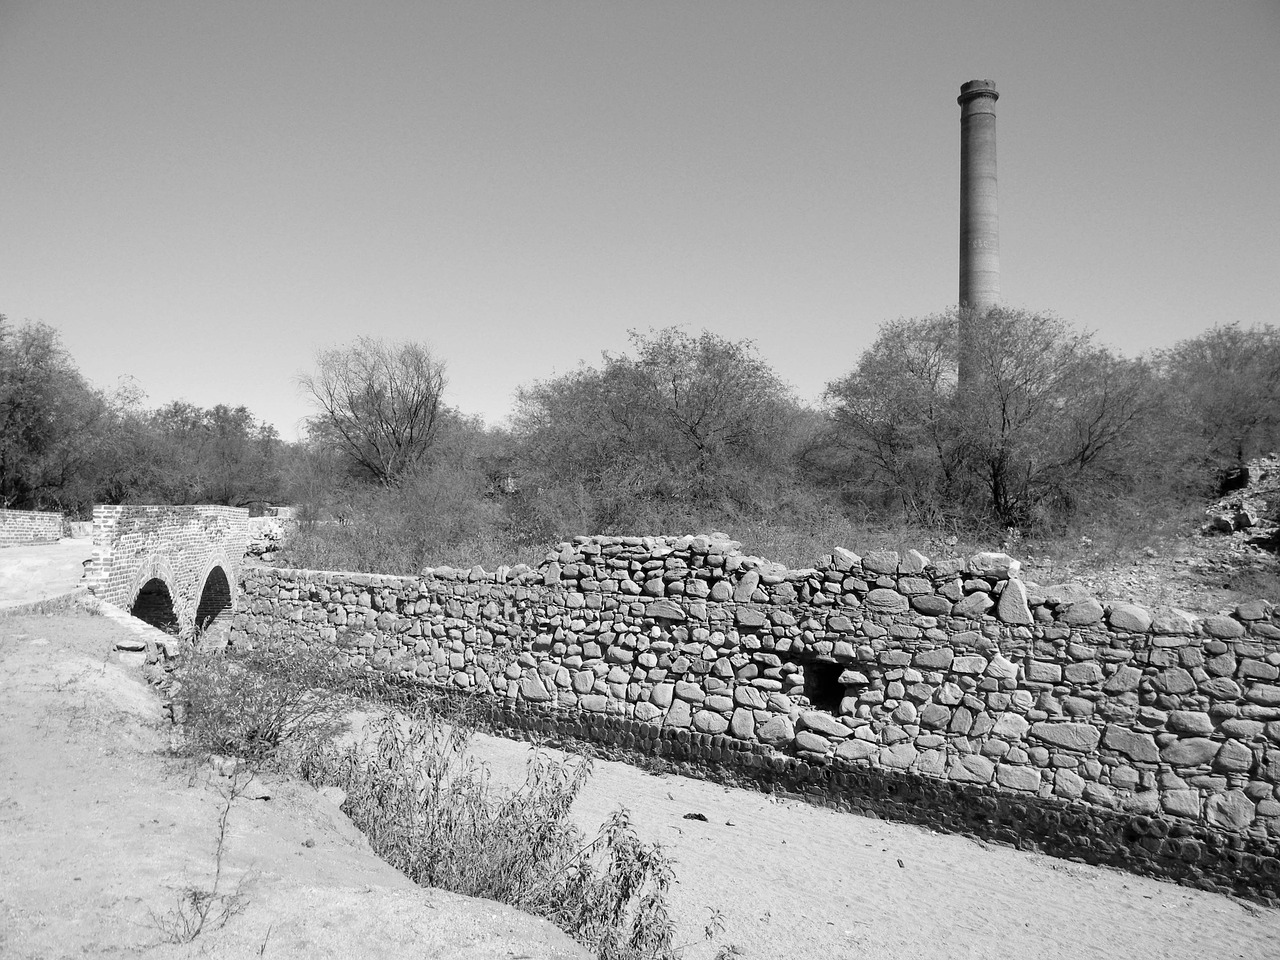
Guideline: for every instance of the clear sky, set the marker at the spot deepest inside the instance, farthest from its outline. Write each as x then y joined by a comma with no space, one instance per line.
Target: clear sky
202,194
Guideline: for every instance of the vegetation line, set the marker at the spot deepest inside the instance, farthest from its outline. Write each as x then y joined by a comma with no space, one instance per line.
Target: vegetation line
1056,440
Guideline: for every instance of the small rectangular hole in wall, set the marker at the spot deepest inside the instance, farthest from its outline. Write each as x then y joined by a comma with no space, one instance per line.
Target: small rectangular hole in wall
822,684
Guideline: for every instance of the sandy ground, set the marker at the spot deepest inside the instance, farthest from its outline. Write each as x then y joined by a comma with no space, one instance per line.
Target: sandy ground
792,880
32,573
100,834
85,795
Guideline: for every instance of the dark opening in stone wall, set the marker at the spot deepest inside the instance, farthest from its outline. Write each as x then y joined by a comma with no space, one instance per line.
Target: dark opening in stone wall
822,684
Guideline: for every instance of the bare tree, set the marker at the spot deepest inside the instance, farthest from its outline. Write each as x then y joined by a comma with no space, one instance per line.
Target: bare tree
893,430
379,404
1223,396
1047,422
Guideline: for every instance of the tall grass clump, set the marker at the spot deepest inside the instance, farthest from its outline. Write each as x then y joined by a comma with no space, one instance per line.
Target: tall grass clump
430,810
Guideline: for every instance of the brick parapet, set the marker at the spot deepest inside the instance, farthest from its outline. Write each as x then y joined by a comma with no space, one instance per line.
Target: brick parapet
29,526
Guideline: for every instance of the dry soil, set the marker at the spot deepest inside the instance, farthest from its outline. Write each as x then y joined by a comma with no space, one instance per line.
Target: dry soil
101,834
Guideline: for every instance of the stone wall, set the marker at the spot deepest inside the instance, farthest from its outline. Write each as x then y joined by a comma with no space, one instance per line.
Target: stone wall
29,526
945,691
194,551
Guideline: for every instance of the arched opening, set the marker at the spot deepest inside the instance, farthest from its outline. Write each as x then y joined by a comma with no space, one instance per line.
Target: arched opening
154,605
215,599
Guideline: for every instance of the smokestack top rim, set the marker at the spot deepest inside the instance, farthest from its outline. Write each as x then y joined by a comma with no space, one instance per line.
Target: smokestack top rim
977,88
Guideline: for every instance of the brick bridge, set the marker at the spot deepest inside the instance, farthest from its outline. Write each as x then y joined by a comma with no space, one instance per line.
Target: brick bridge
174,567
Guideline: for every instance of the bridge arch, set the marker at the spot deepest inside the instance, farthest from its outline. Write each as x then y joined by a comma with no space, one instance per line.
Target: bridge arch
215,596
153,595
176,567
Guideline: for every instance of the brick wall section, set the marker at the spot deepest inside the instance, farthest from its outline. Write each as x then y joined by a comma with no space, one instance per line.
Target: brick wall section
952,692
179,545
29,526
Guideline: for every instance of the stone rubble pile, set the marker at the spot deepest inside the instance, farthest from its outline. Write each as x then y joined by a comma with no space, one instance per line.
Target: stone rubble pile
266,537
1253,509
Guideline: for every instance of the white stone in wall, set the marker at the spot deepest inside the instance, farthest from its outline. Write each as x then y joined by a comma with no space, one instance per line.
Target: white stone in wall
1129,618
993,566
1018,777
856,750
974,606
777,731
1012,607
1232,810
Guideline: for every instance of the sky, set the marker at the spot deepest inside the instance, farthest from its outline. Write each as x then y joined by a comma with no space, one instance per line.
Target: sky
203,195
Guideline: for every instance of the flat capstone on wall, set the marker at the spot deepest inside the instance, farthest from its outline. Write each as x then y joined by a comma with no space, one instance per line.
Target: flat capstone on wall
948,692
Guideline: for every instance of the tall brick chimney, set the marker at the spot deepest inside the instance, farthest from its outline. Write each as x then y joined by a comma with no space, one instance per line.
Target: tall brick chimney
979,222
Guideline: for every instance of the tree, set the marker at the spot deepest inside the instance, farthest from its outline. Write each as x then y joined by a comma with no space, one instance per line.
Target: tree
693,422
216,455
66,445
380,404
893,425
445,510
1047,421
51,422
1222,397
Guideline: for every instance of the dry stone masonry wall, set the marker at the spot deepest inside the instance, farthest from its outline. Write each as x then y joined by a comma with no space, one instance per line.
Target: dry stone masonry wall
29,526
948,692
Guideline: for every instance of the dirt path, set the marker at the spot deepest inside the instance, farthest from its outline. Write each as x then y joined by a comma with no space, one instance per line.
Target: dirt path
100,834
805,883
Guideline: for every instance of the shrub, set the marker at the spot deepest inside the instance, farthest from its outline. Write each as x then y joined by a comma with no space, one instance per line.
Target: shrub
248,703
429,809
685,424
435,516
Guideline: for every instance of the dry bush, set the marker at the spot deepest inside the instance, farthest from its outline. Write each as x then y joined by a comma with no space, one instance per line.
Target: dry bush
437,516
429,809
199,908
248,703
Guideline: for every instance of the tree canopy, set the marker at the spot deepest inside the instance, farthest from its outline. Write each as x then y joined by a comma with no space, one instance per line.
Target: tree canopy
50,421
1222,392
379,404
1047,418
216,455
697,420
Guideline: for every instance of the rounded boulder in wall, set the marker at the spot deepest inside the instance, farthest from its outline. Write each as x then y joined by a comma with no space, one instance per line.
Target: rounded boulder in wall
884,600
